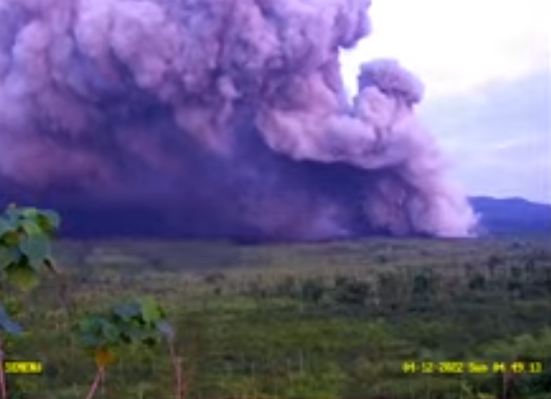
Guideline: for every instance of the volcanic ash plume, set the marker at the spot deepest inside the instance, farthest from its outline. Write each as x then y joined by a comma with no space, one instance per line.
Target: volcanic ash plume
214,118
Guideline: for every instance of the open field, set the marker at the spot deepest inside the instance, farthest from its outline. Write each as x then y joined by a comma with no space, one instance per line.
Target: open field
333,320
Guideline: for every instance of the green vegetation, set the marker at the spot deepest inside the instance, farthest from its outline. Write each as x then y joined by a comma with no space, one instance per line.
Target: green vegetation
334,320
25,250
134,323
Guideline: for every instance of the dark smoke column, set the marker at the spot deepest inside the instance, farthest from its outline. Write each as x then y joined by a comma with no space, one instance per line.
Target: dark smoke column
214,118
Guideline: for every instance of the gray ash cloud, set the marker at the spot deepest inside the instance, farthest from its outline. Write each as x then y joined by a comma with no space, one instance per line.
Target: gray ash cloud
214,118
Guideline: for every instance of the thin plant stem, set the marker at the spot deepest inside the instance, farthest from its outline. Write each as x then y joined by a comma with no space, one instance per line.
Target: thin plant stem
96,383
3,389
177,367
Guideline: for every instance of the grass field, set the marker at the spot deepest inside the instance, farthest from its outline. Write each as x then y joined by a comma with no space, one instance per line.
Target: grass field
332,320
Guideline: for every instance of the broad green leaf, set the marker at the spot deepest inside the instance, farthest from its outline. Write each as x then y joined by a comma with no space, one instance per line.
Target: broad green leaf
89,323
89,341
36,248
5,226
13,306
22,276
49,220
28,212
151,311
96,332
11,239
31,227
129,323
135,334
14,215
7,324
127,311
110,332
8,256
12,210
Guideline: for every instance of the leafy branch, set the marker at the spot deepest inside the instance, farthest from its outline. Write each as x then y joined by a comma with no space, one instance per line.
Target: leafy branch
25,250
141,323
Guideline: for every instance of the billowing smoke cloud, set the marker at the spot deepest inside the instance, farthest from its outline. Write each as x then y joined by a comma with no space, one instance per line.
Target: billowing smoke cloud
215,118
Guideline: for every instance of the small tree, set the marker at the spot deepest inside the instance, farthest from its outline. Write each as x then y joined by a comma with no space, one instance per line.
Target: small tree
312,290
423,290
352,292
136,323
25,250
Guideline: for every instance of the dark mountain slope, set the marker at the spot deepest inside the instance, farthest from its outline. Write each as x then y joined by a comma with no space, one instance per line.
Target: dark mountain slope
512,216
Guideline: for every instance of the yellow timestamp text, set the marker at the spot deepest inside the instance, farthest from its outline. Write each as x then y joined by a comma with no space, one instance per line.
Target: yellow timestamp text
19,367
473,367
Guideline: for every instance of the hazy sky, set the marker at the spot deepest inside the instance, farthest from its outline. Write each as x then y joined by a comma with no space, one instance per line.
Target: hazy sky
486,67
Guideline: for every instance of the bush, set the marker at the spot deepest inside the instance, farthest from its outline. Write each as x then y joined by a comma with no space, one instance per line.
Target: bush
352,292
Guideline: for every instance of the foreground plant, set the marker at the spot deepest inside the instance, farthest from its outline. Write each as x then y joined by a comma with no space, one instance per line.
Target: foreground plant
25,250
141,323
